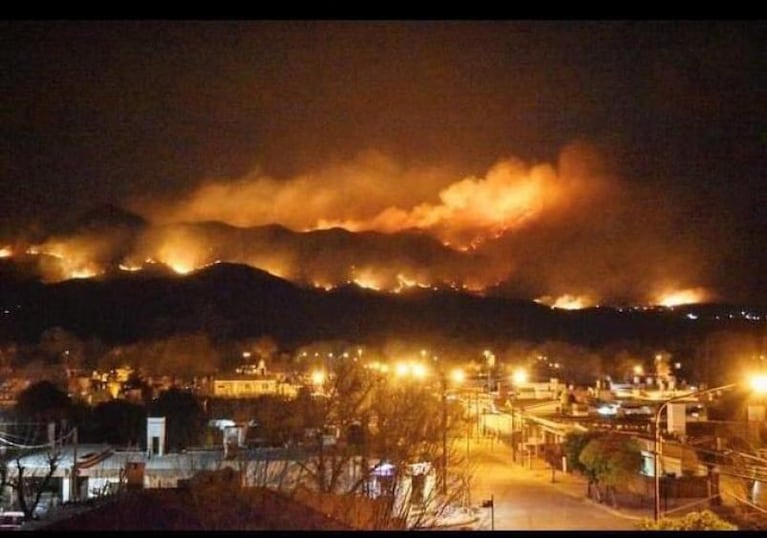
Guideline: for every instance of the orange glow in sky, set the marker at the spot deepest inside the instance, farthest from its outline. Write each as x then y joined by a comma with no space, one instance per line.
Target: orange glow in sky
674,298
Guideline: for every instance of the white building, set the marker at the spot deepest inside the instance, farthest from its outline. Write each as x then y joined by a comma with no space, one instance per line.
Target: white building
250,386
102,470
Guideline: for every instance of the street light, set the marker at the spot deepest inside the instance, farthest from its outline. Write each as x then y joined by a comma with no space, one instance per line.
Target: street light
416,370
318,377
457,376
318,380
758,384
519,377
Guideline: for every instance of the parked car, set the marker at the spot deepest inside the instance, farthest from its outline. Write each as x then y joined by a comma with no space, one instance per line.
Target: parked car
11,520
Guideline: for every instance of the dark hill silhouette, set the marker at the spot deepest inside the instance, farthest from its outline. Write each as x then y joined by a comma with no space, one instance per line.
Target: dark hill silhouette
105,217
109,235
235,301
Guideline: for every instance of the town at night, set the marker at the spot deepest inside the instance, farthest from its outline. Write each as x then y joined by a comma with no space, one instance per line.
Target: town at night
361,275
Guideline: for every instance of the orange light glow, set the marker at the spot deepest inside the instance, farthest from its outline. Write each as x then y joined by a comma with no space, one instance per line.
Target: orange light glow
6,252
759,383
274,268
670,299
567,302
367,284
129,267
180,267
366,278
84,272
74,259
404,282
181,256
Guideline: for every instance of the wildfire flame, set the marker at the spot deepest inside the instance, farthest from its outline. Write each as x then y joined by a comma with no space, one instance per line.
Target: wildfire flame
273,268
498,229
366,278
83,272
403,283
75,259
566,302
323,285
181,251
670,299
129,267
473,209
366,194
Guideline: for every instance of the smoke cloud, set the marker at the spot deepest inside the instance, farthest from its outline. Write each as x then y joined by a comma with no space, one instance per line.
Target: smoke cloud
570,234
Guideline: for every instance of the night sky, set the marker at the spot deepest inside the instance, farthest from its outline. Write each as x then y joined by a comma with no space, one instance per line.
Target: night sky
131,112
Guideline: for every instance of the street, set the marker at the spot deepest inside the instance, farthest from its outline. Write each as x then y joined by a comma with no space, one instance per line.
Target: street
525,499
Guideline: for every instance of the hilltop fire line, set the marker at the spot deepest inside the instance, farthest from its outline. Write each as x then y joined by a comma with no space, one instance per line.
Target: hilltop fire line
56,266
570,236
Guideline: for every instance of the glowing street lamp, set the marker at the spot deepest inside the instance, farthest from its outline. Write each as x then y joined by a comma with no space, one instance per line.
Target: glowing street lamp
318,377
758,385
418,370
458,376
519,376
401,369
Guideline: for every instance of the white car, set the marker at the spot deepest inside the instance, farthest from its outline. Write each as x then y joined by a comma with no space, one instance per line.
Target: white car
11,520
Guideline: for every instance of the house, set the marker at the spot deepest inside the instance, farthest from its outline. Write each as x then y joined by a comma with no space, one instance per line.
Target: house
250,386
87,471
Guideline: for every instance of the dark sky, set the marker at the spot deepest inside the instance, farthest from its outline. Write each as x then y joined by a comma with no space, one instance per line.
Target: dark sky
99,112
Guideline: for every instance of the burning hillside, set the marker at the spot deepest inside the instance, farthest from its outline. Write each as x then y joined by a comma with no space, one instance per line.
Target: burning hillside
570,234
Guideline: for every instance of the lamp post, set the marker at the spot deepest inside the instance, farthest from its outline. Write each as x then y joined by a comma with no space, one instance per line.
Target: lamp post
457,376
443,466
758,384
419,371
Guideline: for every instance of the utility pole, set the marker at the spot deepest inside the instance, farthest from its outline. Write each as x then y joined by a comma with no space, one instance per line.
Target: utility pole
443,383
476,410
75,488
492,513
490,503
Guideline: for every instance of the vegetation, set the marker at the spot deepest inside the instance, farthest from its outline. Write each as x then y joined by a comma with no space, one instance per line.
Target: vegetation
573,445
704,520
552,454
607,460
358,419
120,422
611,460
395,422
42,401
185,418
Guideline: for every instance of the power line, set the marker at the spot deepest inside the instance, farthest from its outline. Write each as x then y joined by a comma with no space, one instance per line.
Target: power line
54,442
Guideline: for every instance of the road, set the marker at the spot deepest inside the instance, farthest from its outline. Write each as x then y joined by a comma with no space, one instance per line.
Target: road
525,499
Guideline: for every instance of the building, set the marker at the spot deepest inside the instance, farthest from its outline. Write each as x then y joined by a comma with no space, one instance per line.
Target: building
88,471
251,386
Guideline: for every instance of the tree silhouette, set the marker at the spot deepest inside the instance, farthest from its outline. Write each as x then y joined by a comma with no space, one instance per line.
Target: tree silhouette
184,417
119,422
398,422
43,401
610,460
573,445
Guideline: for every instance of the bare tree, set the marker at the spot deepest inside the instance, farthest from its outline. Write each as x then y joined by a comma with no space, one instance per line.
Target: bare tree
400,451
28,464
